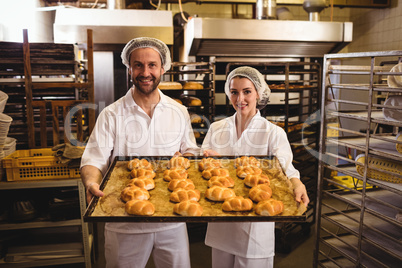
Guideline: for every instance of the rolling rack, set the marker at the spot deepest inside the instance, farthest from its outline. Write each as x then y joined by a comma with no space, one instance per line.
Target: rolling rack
359,224
293,104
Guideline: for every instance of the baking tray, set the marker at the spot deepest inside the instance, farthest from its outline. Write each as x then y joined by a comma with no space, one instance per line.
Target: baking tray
110,208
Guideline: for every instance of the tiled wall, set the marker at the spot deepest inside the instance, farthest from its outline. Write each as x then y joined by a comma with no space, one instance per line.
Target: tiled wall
377,29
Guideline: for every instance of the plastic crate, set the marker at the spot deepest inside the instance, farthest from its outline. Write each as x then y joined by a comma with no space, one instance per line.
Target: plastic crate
375,167
350,182
36,164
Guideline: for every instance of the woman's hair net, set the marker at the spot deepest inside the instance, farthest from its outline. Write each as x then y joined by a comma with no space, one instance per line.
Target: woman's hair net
143,42
256,78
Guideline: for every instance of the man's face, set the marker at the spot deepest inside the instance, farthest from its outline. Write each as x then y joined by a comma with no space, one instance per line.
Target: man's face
145,69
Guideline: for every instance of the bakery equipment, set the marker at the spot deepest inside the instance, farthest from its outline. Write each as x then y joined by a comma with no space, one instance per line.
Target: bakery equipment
222,37
110,208
116,26
265,9
313,8
358,225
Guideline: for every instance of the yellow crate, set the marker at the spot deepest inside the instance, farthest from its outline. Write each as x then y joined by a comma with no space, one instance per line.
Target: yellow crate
333,132
36,164
350,182
380,164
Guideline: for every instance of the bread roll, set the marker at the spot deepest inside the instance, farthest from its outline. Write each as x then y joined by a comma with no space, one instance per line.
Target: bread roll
140,207
253,180
193,85
142,182
139,163
186,184
269,207
219,193
243,171
247,161
179,101
188,208
195,119
190,100
237,203
210,172
179,162
207,163
137,172
197,134
221,181
260,192
170,85
175,173
133,192
180,194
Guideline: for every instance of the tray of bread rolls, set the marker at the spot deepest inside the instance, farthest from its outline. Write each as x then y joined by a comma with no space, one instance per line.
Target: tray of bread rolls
191,189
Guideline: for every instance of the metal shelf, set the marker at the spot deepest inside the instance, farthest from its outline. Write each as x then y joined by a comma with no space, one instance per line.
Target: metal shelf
86,240
358,224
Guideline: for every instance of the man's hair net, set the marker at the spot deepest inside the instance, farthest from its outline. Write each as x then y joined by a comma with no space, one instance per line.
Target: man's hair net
256,78
143,42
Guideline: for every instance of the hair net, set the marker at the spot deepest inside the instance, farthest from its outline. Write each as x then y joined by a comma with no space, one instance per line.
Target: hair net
143,42
256,78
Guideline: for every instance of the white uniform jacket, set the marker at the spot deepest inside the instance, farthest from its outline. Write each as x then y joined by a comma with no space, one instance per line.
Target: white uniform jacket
124,129
246,239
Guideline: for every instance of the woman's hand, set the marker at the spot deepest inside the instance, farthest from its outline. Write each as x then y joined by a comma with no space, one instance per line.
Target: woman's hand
300,191
210,153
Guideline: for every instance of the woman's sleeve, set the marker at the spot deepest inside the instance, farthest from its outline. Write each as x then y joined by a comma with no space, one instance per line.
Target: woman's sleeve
283,152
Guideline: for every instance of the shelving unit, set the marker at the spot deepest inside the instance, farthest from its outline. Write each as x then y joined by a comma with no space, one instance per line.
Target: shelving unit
79,239
359,224
44,81
203,73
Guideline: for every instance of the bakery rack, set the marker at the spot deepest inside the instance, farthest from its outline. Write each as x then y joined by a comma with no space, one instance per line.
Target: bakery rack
358,224
200,72
44,81
55,235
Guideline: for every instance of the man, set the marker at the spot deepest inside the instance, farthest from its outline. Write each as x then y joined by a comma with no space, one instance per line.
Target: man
144,122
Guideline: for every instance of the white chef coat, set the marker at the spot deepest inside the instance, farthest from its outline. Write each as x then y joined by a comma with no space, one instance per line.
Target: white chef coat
246,239
124,129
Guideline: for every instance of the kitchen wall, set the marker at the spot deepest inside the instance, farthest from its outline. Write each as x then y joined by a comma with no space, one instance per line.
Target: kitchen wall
377,29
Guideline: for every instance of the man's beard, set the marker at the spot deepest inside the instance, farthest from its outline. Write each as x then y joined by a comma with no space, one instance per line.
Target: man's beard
147,91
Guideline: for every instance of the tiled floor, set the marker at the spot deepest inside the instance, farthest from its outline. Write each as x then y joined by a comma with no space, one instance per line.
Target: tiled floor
300,256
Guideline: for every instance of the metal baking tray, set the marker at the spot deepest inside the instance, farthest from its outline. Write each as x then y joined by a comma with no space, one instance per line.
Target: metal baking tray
118,174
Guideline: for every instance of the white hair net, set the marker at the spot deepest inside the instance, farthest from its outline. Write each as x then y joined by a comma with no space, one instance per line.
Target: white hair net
256,78
143,42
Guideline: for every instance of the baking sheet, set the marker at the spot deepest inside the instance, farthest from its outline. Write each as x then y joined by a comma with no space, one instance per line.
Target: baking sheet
110,208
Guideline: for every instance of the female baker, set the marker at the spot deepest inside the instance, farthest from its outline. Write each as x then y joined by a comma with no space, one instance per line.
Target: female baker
247,244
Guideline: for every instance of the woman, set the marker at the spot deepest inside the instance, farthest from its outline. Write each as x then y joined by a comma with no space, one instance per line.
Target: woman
246,244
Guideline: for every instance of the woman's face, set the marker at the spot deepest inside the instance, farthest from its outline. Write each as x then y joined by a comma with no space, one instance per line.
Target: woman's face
243,96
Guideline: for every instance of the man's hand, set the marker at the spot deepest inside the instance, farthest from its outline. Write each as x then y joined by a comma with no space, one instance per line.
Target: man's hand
91,176
93,190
